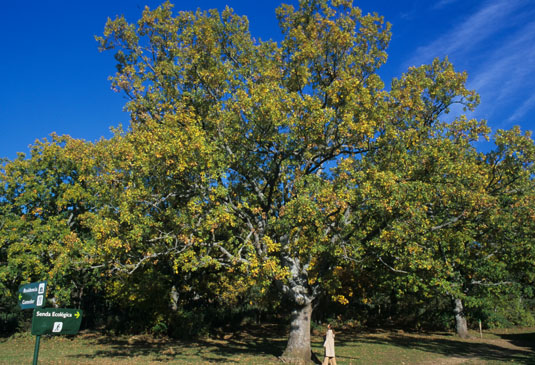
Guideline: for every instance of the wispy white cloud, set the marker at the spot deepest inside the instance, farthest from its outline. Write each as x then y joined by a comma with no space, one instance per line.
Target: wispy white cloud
510,62
443,3
507,77
521,111
496,46
462,37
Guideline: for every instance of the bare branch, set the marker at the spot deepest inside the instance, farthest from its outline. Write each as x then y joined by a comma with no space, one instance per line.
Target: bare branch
484,283
131,268
448,223
231,256
391,268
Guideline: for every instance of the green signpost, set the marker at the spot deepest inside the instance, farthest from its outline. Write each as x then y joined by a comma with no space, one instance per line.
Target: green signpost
32,295
56,321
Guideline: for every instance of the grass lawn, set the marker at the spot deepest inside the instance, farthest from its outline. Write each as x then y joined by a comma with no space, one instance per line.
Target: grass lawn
262,345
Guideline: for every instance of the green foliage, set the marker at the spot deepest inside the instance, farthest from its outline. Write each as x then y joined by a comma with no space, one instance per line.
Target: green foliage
505,309
279,174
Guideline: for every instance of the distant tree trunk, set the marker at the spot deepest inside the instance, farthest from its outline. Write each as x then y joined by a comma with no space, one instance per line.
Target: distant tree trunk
460,319
174,299
298,348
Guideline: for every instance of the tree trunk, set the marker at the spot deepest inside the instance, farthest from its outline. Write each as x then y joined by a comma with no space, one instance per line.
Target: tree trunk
460,319
298,348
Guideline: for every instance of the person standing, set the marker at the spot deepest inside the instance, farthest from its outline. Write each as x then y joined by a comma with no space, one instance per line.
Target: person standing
328,345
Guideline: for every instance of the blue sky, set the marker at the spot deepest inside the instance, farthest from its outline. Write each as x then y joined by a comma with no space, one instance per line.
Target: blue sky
55,80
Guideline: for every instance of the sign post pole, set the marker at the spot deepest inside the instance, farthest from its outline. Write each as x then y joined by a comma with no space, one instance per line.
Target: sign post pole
47,321
32,296
36,350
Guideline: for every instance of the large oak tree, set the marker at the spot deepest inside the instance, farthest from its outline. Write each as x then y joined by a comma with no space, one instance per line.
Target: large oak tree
275,117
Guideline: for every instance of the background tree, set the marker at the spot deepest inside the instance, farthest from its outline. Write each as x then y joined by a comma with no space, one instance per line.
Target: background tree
42,236
429,194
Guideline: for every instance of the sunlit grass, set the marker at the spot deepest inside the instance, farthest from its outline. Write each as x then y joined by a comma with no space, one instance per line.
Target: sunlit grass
262,345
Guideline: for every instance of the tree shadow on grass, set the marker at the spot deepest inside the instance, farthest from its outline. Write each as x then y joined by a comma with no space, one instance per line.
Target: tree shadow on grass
224,352
228,350
456,347
252,341
121,347
526,340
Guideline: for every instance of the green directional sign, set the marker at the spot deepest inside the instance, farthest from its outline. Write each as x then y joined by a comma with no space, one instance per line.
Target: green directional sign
32,295
56,321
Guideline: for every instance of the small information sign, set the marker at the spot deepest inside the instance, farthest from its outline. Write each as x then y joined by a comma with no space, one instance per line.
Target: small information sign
56,321
32,295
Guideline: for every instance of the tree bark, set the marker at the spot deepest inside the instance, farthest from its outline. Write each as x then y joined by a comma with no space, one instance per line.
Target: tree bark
460,319
298,348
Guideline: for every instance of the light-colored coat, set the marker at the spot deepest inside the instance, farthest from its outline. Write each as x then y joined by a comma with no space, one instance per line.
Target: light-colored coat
329,344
